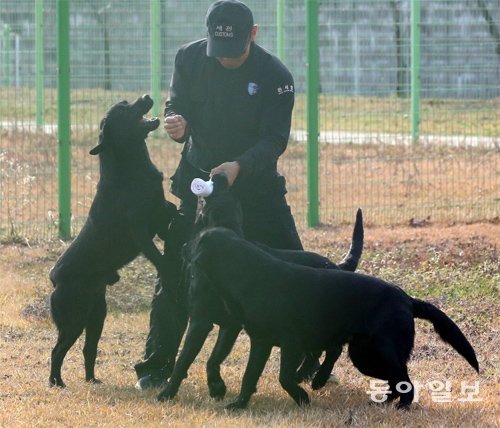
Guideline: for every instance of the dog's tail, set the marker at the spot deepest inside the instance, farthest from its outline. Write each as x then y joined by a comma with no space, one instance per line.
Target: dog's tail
351,260
447,330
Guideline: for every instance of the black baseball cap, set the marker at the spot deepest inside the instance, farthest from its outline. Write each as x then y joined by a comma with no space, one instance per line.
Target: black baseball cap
229,23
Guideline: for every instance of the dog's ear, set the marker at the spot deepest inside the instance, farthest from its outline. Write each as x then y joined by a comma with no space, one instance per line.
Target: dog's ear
100,147
97,149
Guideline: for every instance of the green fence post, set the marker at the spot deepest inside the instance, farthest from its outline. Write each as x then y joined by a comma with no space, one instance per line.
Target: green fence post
63,117
312,82
415,70
280,29
155,23
40,96
6,44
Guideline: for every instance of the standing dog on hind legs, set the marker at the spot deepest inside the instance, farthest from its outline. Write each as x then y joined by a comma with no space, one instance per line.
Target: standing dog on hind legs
128,210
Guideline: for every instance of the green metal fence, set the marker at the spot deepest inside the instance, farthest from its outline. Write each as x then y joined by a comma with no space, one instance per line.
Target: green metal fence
397,103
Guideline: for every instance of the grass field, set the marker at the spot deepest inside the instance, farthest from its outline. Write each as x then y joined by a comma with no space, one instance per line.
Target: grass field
455,267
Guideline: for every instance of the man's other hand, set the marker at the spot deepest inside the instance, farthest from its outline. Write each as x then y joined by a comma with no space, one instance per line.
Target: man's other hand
230,169
175,126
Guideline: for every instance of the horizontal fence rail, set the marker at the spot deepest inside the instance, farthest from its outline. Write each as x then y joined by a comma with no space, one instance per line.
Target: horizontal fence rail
397,104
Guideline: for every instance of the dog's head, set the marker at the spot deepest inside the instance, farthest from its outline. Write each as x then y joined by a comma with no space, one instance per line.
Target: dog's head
205,250
221,208
125,124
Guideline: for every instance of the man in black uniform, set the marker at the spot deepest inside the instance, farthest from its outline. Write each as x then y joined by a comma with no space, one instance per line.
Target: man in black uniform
230,103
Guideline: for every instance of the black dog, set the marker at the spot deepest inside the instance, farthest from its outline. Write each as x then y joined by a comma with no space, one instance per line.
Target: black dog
222,209
301,308
129,208
206,308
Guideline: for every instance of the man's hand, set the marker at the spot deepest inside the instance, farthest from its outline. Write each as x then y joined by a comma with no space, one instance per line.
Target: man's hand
175,126
230,169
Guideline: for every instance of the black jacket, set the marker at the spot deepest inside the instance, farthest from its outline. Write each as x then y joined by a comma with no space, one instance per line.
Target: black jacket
239,115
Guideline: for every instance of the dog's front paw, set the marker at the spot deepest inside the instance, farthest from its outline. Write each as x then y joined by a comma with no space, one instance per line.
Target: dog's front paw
53,381
320,380
167,393
403,406
217,389
237,405
302,399
94,380
308,369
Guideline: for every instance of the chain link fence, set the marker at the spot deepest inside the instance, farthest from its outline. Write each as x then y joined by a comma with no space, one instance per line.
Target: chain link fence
368,153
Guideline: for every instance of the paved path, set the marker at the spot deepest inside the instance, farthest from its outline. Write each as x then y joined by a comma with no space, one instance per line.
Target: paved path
328,137
340,137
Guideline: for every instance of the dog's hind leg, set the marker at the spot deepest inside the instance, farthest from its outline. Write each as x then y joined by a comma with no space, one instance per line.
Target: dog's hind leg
259,354
323,374
64,342
387,361
66,312
393,392
93,331
404,389
291,356
394,349
225,342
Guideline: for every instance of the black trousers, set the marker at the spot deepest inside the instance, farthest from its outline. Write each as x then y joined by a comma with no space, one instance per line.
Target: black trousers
266,218
169,314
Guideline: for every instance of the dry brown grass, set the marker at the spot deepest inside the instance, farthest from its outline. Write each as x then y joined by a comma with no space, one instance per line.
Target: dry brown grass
396,183
407,254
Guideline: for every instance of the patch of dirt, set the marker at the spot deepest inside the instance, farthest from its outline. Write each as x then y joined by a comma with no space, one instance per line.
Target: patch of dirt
37,310
458,244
